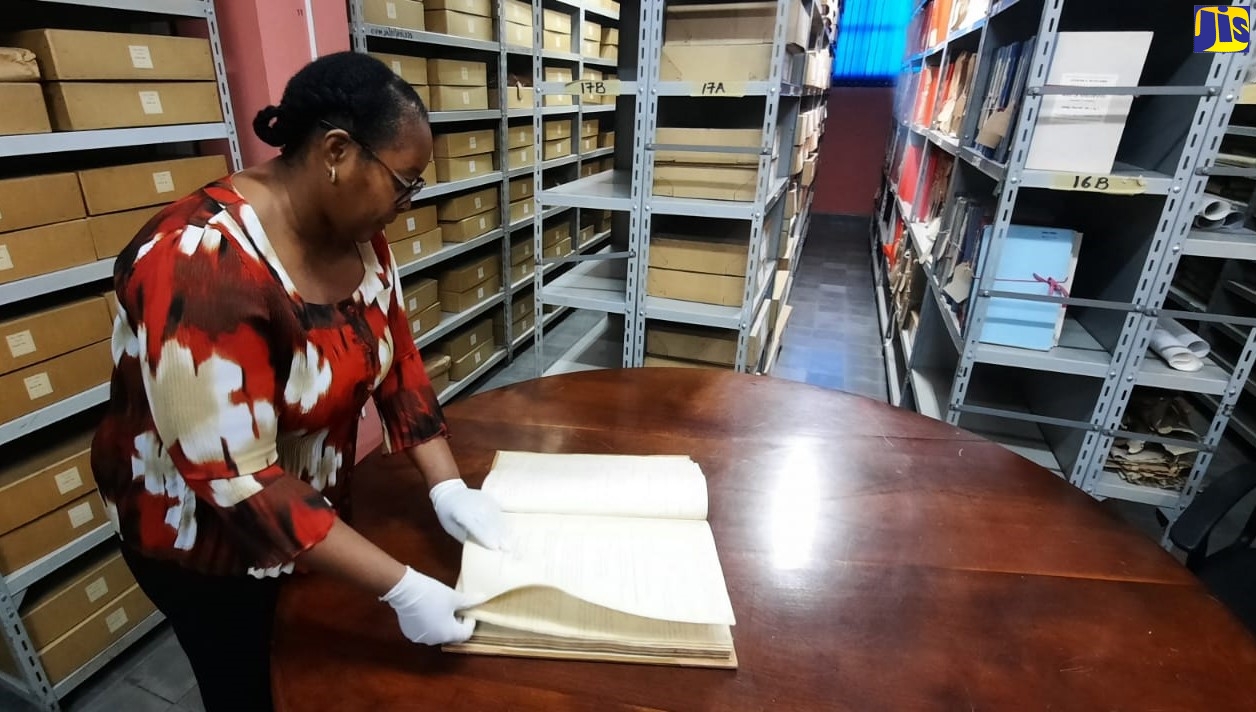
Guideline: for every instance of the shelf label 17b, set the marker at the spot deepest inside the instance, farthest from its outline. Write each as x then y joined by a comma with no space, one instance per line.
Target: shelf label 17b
598,87
1116,185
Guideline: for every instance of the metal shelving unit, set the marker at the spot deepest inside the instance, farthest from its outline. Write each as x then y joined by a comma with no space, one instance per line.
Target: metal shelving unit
617,285
33,684
1077,393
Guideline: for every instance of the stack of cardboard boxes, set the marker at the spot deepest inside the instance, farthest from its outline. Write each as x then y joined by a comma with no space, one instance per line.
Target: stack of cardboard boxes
469,348
463,155
522,259
520,195
470,215
412,69
522,311
562,75
468,282
556,239
706,263
520,147
20,94
517,23
406,14
684,346
557,137
472,19
108,80
609,45
725,42
591,39
81,610
557,31
437,367
588,136
422,300
708,175
414,234
457,85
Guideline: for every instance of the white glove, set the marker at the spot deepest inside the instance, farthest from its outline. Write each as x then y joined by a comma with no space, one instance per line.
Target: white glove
426,610
464,512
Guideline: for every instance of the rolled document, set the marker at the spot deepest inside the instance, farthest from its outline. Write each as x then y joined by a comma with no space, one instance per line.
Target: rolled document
1173,352
1184,336
1215,207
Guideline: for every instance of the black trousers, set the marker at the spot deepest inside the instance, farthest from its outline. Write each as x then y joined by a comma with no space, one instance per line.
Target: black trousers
223,623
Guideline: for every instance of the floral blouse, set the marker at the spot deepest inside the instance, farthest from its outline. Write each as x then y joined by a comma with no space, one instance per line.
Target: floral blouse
232,421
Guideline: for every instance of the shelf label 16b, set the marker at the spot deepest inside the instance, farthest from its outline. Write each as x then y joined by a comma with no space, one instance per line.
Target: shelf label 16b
598,87
1116,185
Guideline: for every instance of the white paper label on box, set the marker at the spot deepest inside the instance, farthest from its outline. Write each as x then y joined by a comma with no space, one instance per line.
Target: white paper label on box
69,480
477,198
390,8
1088,105
471,167
477,358
414,305
418,247
479,273
471,29
465,73
21,343
116,620
416,326
151,101
483,224
38,386
466,98
527,208
474,339
141,57
81,514
396,64
411,224
479,293
6,262
97,590
163,182
471,143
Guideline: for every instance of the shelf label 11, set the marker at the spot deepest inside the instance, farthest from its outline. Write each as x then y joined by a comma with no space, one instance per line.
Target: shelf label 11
718,89
599,87
1116,185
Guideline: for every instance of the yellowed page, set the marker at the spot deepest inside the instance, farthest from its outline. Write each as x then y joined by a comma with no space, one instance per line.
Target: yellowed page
659,486
665,569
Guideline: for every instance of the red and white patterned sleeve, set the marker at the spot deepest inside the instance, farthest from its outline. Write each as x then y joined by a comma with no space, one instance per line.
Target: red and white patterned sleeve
407,404
198,310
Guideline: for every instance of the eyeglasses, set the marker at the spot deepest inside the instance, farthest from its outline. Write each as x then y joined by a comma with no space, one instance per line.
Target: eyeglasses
405,188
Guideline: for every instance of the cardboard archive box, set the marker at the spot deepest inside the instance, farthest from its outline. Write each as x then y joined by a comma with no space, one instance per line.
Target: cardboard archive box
48,333
406,14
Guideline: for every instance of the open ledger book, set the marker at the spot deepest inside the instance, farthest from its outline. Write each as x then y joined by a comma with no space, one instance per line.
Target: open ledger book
610,558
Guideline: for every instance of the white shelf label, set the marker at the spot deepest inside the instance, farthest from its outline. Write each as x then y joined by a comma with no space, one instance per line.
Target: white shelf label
390,8
6,262
1083,105
116,620
1116,185
151,101
21,343
69,480
81,514
717,89
141,57
163,182
97,590
38,386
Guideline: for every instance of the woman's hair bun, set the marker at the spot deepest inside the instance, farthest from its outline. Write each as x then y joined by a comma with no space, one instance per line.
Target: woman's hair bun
269,127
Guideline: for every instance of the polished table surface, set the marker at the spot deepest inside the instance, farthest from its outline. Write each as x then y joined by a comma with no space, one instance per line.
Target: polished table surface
876,560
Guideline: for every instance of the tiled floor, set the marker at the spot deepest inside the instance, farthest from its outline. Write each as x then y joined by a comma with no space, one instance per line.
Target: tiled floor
832,341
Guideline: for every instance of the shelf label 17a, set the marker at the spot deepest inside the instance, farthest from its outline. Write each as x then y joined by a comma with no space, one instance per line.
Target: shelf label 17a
1116,185
599,87
718,89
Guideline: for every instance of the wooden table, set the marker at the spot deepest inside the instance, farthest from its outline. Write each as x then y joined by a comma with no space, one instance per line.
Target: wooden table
876,560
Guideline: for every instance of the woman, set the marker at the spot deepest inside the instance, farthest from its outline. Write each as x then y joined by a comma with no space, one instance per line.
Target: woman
257,315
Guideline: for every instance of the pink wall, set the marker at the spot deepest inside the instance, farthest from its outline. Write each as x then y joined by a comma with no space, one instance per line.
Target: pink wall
266,42
853,149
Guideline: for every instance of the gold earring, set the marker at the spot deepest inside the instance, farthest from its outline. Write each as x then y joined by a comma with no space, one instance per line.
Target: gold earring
333,175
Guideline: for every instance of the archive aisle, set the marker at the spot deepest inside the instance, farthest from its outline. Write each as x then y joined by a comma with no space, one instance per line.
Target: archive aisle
106,104
1042,183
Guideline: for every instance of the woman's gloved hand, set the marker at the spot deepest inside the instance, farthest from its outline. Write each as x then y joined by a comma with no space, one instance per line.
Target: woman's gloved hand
464,512
427,610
